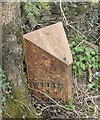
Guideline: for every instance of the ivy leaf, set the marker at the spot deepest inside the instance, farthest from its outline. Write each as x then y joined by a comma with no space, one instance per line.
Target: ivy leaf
87,53
83,66
79,49
92,51
91,85
74,66
82,58
80,72
77,63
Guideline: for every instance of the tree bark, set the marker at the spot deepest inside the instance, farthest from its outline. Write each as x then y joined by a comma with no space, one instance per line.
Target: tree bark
12,59
0,58
12,49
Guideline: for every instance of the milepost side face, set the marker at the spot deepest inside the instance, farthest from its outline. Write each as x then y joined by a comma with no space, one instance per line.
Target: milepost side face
47,74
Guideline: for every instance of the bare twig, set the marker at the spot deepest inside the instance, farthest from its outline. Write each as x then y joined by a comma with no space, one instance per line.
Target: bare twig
79,44
44,94
62,12
40,100
56,103
91,44
60,106
93,97
77,31
24,105
90,74
87,96
88,43
7,114
66,21
91,101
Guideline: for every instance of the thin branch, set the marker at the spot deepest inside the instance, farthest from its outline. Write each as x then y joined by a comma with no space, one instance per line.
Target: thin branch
66,21
93,97
90,74
92,101
87,96
60,106
44,94
24,105
77,31
7,114
57,104
88,43
79,44
62,12
91,44
40,100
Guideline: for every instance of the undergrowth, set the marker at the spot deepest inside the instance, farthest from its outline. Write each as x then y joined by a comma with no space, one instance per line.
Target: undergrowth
85,57
33,9
5,86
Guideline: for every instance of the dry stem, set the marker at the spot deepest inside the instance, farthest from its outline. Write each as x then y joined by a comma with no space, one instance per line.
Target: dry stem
7,114
87,96
66,22
93,97
56,103
24,105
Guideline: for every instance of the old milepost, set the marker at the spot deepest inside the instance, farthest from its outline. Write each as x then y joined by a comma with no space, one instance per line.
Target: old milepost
48,62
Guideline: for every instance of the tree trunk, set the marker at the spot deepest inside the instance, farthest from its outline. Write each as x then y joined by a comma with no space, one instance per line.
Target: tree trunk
0,58
12,59
12,49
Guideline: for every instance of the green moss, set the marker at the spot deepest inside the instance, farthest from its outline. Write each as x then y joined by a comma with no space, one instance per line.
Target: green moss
19,35
18,106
